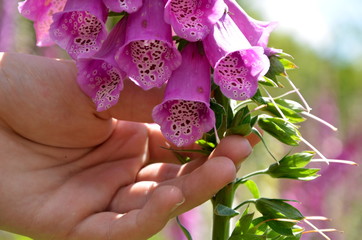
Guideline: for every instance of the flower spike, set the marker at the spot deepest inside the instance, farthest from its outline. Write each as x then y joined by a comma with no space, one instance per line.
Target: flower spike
148,55
80,28
184,115
100,76
129,6
41,12
192,19
237,65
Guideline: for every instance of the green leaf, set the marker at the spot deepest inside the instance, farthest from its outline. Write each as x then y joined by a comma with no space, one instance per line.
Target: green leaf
295,106
184,230
281,129
243,224
224,211
248,237
253,188
274,209
292,115
292,167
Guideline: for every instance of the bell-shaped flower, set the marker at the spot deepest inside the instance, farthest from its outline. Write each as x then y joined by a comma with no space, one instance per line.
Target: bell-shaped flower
99,76
184,115
149,55
237,65
129,6
41,13
80,29
191,19
257,32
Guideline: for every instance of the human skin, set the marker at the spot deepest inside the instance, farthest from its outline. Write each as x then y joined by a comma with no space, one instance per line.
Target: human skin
68,172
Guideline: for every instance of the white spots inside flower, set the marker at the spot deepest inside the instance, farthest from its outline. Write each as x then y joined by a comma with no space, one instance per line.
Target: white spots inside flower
150,58
123,4
189,15
184,120
233,75
104,80
83,28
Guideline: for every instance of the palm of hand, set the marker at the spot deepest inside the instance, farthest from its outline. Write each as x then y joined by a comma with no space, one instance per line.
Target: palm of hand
102,185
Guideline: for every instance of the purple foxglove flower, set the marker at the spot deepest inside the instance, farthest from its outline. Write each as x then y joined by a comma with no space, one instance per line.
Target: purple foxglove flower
80,28
191,19
237,65
184,115
149,55
257,32
129,6
41,12
99,76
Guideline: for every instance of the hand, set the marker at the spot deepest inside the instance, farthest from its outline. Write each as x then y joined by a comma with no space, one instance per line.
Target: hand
68,172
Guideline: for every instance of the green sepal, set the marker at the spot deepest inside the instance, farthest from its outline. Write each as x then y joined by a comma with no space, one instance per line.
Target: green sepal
269,82
289,113
219,111
292,167
293,105
241,123
281,129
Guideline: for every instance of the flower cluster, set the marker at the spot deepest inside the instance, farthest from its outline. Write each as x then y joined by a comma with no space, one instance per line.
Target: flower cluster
223,44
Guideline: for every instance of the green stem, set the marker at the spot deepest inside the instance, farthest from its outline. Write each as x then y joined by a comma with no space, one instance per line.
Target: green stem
221,224
244,178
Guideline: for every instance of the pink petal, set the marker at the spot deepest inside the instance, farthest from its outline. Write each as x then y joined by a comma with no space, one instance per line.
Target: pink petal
149,55
193,20
100,76
184,115
129,6
80,28
237,65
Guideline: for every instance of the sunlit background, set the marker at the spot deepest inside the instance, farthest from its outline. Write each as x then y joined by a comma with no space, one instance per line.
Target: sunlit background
325,39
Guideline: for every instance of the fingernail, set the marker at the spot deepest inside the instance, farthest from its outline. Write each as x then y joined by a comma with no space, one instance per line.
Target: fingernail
178,204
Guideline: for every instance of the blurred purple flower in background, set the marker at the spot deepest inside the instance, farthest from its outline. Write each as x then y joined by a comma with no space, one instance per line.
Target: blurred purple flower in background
149,55
191,19
192,221
100,76
129,6
80,28
7,24
184,115
238,65
41,12
317,196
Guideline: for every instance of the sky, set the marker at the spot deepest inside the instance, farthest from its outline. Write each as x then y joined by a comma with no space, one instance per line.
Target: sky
332,27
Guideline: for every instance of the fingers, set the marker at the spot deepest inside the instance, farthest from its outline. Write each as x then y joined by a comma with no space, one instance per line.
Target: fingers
197,186
139,224
236,148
